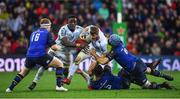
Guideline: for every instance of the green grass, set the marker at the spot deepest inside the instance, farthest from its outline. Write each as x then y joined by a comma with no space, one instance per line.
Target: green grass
78,88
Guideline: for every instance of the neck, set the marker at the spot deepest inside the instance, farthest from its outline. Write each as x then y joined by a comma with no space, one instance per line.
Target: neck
72,30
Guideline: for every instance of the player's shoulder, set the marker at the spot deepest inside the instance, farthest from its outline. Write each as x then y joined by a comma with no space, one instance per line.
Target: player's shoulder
41,30
63,30
79,27
64,27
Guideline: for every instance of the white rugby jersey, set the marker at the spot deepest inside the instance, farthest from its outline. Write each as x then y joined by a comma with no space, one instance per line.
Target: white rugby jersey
65,32
101,44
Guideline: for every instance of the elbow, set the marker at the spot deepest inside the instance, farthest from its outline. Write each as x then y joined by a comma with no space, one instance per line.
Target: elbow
55,47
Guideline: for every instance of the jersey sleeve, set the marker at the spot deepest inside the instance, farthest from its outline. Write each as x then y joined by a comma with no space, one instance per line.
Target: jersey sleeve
110,55
62,33
104,41
51,40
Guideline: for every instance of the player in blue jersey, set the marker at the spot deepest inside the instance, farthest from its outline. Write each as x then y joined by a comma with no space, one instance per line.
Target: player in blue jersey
129,62
36,54
67,36
104,79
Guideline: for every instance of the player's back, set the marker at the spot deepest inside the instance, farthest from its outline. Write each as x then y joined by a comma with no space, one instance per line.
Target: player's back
123,57
38,42
107,81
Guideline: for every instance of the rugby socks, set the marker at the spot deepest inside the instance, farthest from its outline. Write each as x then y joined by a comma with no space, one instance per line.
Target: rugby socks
159,74
156,73
72,70
59,76
39,74
16,80
66,71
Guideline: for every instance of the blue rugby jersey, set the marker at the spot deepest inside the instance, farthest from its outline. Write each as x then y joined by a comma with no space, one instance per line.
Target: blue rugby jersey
39,40
123,57
107,81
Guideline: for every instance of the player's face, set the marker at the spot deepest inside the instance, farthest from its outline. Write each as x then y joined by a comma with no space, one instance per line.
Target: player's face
49,28
95,37
72,22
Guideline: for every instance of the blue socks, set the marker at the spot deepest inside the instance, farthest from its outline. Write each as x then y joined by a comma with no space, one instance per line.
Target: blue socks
16,80
59,76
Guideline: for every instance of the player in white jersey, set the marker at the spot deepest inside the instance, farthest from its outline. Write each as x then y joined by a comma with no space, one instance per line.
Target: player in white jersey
96,39
67,36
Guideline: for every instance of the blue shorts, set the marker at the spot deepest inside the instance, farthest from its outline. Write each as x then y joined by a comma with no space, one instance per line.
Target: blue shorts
43,61
138,74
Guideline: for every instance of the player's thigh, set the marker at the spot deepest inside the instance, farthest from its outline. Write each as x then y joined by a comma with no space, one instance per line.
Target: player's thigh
24,71
92,66
55,63
30,62
65,58
80,57
139,73
46,60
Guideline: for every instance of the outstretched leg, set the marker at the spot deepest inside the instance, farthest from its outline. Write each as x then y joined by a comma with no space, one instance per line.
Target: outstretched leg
37,77
17,79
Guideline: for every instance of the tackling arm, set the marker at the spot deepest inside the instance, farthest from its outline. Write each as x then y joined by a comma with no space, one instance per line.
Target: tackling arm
67,43
100,59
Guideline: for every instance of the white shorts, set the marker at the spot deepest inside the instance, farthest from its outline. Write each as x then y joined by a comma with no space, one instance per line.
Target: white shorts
65,56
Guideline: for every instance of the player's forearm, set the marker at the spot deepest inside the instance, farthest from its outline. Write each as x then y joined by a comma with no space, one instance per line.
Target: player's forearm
67,43
101,59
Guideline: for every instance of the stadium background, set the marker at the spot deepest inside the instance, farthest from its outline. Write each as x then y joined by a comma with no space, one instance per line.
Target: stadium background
153,27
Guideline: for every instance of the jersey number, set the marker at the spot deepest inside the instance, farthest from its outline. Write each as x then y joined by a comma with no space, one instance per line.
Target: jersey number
35,37
125,50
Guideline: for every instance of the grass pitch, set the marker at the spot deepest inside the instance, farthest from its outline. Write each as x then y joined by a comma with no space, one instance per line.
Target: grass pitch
78,88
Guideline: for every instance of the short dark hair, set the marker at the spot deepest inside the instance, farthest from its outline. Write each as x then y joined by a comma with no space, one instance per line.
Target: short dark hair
98,71
94,30
71,16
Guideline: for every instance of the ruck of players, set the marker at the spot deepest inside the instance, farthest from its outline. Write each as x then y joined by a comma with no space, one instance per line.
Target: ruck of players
86,42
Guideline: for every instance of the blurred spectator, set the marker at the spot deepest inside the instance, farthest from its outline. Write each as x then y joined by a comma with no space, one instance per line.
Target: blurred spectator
42,10
153,25
6,44
155,49
177,49
4,15
104,12
16,23
167,49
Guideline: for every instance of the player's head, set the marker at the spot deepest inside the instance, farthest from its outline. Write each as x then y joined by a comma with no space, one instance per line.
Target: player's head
72,22
94,31
45,23
114,40
98,71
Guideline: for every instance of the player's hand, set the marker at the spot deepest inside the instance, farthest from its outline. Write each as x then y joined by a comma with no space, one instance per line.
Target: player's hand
81,45
93,51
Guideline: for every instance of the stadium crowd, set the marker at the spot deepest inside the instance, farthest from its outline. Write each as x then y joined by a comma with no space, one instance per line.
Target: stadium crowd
153,25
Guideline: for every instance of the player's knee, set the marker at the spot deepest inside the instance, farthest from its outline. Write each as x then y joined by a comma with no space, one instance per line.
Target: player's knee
24,71
60,64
